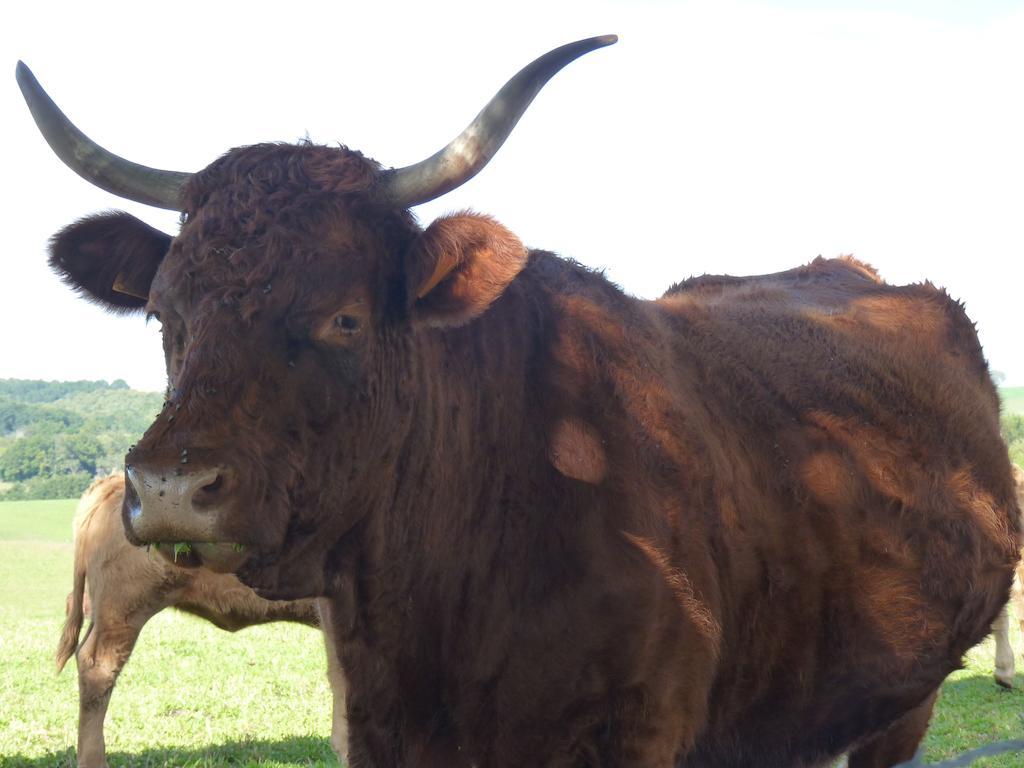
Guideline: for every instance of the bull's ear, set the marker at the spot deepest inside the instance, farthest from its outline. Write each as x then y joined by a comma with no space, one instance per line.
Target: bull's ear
109,258
459,266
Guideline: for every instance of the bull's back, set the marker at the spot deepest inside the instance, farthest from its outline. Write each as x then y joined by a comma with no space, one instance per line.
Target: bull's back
853,439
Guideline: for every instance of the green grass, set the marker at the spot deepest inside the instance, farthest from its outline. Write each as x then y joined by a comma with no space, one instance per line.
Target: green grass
40,520
1013,399
195,696
973,711
191,695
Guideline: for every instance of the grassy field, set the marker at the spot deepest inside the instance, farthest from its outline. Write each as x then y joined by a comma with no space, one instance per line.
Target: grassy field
191,695
195,696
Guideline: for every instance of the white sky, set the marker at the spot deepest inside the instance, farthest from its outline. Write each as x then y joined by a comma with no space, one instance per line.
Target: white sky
722,137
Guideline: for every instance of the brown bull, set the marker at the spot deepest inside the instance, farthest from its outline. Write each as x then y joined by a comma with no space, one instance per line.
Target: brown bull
121,587
754,522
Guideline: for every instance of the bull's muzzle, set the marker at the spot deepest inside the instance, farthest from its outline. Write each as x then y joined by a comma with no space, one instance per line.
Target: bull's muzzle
180,512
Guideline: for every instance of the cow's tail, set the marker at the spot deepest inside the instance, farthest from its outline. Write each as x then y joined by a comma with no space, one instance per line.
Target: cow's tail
74,608
73,615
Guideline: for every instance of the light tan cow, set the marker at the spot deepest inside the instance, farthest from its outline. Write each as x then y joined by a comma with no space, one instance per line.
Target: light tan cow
1001,626
127,587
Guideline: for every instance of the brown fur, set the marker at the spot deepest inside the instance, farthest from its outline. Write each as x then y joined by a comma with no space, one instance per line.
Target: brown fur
126,588
736,553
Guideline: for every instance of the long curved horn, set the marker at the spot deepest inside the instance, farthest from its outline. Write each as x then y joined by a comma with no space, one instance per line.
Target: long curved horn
91,161
471,150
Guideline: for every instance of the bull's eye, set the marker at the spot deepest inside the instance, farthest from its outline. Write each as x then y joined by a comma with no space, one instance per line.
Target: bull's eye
344,327
347,324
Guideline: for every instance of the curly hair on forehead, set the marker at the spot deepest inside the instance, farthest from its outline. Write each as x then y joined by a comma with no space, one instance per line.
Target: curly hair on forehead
276,172
261,207
252,190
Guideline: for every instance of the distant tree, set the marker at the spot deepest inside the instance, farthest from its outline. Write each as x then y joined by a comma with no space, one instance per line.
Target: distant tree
56,436
16,416
76,452
62,487
27,458
33,391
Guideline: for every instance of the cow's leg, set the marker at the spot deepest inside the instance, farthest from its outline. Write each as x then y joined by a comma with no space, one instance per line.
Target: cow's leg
108,644
1004,651
339,719
1017,601
899,743
336,677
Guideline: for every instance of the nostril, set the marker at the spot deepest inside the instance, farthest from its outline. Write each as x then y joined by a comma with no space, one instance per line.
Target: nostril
211,487
136,482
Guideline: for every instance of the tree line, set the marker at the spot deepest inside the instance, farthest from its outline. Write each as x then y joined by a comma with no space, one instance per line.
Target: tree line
57,436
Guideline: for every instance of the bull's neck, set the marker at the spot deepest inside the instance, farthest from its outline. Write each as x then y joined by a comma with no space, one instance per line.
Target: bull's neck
470,395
